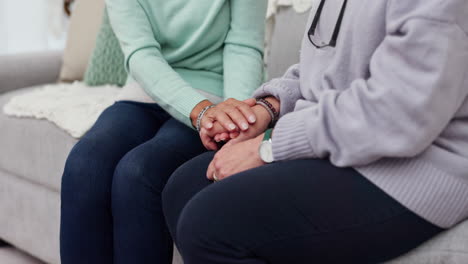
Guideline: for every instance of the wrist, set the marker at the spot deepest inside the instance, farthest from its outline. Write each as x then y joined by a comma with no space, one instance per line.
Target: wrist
274,102
272,111
197,109
262,114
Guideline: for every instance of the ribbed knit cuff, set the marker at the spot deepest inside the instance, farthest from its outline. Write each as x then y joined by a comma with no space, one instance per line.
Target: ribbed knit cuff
290,140
262,91
285,94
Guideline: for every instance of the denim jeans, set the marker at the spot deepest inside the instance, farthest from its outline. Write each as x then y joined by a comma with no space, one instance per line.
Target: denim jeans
294,212
112,184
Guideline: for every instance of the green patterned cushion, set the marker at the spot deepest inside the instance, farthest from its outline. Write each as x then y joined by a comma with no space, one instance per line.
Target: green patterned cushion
106,65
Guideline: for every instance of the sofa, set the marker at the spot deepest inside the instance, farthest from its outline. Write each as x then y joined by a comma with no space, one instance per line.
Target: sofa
33,153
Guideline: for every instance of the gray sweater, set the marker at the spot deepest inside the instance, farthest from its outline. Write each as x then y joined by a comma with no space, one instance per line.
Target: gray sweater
390,100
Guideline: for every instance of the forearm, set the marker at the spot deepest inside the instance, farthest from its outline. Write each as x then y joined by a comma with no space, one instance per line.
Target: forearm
243,49
167,87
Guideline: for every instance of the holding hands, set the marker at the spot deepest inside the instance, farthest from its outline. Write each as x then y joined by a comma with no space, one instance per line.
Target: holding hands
239,123
232,120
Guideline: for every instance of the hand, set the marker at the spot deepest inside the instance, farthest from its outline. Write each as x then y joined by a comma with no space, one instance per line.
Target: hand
207,137
263,120
235,158
232,114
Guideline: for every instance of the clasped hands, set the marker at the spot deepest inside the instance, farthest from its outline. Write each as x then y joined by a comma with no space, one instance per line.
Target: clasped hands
240,124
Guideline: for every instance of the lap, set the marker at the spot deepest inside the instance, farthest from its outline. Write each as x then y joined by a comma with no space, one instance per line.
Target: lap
310,207
118,129
156,159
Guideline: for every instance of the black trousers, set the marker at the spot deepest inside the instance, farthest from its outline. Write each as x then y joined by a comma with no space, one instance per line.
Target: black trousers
303,211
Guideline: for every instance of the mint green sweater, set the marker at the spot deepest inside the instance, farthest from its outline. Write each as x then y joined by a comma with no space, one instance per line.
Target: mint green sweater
174,47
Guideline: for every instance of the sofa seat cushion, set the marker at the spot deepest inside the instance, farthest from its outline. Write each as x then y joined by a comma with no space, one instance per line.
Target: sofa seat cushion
33,149
450,247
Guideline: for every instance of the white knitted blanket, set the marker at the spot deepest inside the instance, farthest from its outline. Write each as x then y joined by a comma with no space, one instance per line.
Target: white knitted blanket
75,107
72,107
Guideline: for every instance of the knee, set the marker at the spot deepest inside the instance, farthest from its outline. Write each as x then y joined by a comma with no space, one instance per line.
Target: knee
200,226
83,183
186,181
135,175
172,190
183,184
192,229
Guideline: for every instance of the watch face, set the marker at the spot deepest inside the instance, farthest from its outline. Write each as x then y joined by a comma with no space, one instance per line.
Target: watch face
266,151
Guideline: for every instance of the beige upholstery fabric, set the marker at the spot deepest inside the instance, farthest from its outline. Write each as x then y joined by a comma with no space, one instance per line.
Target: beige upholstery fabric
32,149
84,25
12,255
30,217
28,69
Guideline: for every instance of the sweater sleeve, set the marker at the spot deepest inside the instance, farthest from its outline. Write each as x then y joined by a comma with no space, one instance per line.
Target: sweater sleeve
286,89
416,85
143,59
243,50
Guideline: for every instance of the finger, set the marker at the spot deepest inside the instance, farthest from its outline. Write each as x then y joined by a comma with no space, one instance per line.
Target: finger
217,129
210,171
207,140
225,121
240,138
251,101
224,136
238,118
247,112
234,135
207,122
221,137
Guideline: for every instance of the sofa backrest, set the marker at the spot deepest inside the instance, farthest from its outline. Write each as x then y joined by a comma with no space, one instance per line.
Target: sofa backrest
286,41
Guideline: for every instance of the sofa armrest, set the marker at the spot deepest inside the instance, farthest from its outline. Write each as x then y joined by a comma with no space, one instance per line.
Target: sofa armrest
29,69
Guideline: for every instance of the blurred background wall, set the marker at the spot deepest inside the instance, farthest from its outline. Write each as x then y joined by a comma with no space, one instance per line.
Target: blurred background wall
31,25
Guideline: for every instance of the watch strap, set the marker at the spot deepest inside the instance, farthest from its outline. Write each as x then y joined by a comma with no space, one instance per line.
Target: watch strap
267,135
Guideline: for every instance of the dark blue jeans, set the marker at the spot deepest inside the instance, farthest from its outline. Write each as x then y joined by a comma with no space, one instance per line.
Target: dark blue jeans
294,212
112,185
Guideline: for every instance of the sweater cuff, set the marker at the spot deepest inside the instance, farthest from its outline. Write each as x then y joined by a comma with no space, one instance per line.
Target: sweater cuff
290,140
285,94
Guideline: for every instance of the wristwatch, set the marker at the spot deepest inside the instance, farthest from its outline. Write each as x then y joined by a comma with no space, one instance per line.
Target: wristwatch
265,150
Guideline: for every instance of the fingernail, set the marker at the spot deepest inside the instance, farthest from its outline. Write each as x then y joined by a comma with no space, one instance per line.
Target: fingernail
252,119
232,126
209,125
245,126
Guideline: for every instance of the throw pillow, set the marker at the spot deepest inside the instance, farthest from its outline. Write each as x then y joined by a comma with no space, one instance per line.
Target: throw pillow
83,29
106,65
